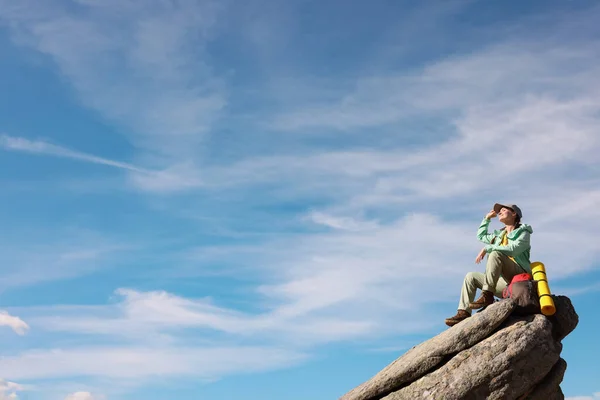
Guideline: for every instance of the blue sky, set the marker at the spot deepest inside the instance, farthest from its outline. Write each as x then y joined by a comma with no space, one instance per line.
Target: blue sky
209,200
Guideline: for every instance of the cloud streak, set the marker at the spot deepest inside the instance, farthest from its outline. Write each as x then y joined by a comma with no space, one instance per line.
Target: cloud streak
174,178
19,144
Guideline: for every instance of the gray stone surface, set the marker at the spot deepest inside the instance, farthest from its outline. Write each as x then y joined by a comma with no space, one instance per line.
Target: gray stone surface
565,319
426,356
504,366
549,388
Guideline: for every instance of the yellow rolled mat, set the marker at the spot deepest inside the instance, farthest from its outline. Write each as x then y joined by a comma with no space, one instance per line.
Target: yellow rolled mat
539,274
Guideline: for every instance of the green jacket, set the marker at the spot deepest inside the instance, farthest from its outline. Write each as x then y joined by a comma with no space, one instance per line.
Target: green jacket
518,247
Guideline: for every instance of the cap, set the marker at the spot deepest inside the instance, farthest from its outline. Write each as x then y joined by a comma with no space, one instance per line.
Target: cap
513,207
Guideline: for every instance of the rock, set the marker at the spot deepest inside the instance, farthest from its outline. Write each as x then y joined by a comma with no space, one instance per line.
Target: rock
422,358
565,319
559,395
495,354
504,366
549,388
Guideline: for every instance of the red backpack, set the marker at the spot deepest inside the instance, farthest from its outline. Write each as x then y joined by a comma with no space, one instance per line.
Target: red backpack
523,291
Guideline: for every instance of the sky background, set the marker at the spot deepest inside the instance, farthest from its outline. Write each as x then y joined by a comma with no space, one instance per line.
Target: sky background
274,200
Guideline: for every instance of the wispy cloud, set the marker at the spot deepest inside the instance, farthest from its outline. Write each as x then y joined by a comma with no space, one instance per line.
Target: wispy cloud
595,396
544,120
15,323
153,316
20,144
140,364
157,334
453,86
151,76
575,291
59,255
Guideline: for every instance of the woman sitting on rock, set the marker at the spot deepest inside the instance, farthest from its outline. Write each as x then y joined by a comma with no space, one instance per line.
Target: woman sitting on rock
508,252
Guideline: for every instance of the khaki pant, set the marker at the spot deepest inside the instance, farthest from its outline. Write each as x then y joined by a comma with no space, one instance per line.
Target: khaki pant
499,271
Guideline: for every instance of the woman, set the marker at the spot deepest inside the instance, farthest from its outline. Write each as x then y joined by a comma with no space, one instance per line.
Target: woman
508,251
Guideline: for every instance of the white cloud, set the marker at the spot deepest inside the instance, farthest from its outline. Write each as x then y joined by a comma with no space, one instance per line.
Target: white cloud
8,390
595,396
343,223
81,396
142,363
15,323
154,317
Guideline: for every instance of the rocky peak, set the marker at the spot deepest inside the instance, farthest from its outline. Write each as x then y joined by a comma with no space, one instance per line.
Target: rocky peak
494,354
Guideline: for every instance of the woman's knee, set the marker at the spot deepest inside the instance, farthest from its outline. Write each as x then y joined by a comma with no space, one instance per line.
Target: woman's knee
473,280
470,277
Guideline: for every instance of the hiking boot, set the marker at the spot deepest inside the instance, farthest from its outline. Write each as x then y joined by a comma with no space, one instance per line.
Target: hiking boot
483,301
460,316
